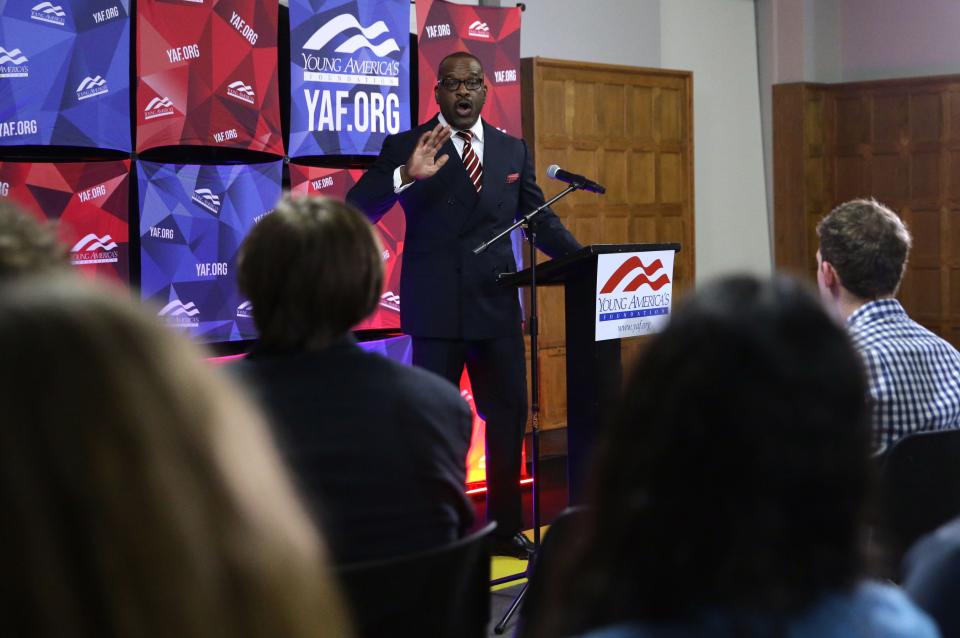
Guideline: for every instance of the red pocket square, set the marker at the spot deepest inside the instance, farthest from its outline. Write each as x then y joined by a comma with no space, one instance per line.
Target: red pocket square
512,177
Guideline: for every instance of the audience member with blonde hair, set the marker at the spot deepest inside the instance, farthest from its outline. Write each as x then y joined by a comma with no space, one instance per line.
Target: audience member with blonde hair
27,245
141,494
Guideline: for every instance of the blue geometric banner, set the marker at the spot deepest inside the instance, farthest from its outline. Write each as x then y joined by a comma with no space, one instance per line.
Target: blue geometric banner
64,73
349,75
192,221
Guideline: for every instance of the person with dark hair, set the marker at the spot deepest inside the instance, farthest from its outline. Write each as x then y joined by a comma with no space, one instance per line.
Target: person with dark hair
142,496
914,375
931,576
379,449
26,245
729,495
460,181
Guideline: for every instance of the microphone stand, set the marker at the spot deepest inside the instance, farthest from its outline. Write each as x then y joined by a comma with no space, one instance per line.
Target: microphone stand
530,222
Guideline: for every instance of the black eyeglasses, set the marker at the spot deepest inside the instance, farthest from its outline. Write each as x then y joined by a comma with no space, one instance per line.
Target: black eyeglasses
452,84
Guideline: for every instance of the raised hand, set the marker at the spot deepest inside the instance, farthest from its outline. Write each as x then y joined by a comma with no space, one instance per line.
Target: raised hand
423,162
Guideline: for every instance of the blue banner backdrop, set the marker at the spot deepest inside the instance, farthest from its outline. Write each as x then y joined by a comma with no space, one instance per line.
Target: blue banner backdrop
192,221
64,73
349,75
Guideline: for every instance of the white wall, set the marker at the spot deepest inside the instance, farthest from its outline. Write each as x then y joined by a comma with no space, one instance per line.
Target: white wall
716,39
899,38
797,41
848,41
822,38
608,31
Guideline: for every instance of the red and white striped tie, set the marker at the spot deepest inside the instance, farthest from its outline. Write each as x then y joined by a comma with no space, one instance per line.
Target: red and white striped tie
470,160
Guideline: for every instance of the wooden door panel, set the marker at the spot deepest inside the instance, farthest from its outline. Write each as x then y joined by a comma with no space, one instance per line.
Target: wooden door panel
896,140
629,129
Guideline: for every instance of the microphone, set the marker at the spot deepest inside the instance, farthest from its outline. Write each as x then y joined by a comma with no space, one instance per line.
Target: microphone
573,179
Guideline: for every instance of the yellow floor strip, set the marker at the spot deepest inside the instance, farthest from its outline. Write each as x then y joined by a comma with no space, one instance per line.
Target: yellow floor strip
501,566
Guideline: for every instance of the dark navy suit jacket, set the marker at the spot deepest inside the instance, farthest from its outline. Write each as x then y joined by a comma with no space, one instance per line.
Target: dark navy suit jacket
445,290
378,449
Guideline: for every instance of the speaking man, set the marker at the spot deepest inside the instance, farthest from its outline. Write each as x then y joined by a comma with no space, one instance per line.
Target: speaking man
914,375
460,181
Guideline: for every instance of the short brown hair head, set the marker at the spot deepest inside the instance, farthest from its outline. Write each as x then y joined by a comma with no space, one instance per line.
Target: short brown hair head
27,246
312,269
867,244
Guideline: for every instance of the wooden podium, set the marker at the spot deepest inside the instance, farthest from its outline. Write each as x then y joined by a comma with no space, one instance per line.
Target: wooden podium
594,375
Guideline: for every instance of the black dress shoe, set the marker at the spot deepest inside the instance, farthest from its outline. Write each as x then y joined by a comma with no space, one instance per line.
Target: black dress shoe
518,546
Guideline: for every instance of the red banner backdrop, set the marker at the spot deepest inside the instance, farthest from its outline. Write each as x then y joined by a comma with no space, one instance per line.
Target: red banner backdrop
335,182
208,74
490,33
88,201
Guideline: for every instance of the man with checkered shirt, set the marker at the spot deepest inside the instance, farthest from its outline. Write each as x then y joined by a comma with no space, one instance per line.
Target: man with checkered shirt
914,375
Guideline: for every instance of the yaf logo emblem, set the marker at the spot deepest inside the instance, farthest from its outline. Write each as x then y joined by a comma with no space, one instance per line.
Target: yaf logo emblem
390,300
49,13
241,91
634,292
632,265
346,22
479,30
245,310
13,64
158,107
205,198
91,86
93,249
320,64
177,313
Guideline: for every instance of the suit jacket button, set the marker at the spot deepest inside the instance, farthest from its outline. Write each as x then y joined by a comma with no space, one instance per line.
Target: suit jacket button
451,201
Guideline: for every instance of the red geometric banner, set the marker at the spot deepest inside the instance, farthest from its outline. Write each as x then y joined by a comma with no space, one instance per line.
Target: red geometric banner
208,74
490,33
335,182
89,202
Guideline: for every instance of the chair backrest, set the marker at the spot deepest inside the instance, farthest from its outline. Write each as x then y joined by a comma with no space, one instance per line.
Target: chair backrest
919,488
440,592
564,535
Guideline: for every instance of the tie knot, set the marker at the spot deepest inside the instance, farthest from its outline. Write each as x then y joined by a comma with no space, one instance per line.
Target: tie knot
466,136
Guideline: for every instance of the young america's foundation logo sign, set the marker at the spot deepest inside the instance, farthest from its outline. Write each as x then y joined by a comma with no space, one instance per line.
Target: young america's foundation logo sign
241,91
206,199
478,30
177,313
13,63
245,310
338,66
93,249
49,13
91,86
634,293
390,300
158,107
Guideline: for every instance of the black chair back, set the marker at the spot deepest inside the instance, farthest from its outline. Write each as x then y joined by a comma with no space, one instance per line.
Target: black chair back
919,488
440,592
